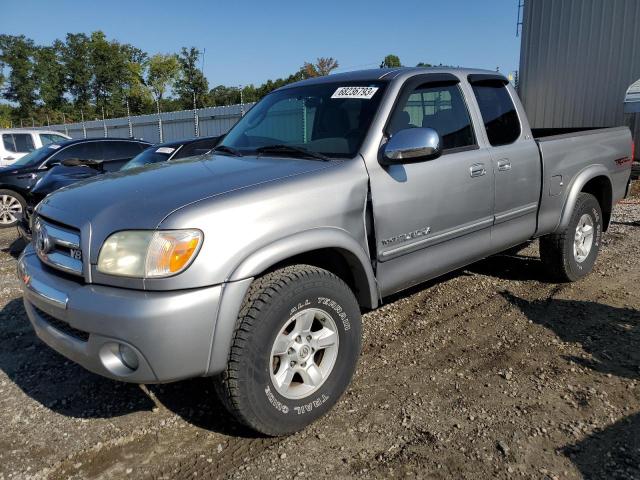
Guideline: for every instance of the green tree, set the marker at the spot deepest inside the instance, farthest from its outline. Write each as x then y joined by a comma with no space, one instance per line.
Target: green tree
323,66
75,55
49,76
162,72
131,86
191,85
422,64
17,53
391,61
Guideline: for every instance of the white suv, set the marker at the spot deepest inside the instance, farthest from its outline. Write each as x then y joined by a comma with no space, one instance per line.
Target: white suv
15,143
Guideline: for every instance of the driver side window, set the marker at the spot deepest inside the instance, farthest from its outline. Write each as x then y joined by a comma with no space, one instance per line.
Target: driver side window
440,107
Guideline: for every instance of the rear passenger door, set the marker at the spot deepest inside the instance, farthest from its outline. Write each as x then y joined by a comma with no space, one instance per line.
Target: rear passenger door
117,153
435,215
515,160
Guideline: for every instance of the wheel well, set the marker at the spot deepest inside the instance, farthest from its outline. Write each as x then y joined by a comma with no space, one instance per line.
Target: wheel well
341,263
600,187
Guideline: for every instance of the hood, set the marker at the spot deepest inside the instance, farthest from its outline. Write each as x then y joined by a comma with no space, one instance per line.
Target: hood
142,198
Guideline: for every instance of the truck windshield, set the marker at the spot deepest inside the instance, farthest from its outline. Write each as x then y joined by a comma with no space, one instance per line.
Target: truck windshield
327,119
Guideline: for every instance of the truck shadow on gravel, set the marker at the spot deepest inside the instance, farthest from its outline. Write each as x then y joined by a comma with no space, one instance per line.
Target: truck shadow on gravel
55,382
68,389
610,336
512,267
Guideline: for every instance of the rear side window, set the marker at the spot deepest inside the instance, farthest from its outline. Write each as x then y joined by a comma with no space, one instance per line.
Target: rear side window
498,112
440,107
18,142
80,151
121,150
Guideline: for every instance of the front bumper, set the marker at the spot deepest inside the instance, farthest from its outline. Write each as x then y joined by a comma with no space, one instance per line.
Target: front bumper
170,332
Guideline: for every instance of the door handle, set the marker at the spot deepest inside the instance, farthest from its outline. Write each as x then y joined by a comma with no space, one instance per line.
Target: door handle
504,165
477,170
9,158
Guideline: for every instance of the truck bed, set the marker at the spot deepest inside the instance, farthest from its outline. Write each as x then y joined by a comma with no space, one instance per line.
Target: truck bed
568,153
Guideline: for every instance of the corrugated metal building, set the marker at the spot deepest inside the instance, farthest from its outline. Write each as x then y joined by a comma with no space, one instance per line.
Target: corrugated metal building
577,60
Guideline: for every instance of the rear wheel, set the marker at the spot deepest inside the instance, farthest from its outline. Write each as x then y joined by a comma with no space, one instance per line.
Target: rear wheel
11,207
295,350
570,255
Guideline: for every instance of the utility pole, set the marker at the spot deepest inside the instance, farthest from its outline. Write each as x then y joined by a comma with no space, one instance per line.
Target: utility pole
104,124
241,101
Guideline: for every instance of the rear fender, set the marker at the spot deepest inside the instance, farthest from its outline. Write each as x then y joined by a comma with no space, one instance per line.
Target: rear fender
578,183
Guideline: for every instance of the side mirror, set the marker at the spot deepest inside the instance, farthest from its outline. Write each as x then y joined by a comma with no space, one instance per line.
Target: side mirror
412,145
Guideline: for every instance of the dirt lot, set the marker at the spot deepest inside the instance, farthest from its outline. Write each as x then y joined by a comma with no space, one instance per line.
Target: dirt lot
489,372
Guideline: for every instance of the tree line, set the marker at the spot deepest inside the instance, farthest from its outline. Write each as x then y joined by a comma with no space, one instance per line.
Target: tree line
88,76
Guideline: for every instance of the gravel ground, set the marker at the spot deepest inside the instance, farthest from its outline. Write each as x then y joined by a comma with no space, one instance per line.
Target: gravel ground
488,372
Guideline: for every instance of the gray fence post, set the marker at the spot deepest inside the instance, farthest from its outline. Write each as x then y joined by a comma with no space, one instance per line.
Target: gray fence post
84,127
196,125
64,121
129,120
159,120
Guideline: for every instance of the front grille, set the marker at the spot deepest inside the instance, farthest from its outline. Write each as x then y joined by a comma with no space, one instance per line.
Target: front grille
62,326
57,245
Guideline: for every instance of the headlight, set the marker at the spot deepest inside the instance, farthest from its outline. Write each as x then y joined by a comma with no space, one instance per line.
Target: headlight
148,254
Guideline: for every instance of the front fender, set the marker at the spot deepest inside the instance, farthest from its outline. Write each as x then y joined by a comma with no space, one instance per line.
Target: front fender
307,241
237,285
577,184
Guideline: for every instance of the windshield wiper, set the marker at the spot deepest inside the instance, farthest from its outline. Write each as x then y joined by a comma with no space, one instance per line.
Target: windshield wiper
227,149
290,149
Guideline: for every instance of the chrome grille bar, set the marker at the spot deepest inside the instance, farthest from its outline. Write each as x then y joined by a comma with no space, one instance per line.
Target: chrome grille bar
57,247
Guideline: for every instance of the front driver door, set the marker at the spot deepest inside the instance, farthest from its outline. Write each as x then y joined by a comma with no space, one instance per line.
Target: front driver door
433,216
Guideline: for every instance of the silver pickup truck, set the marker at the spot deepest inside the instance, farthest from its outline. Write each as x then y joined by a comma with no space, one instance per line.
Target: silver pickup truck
252,264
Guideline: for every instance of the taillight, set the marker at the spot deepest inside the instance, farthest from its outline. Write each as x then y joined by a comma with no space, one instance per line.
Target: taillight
633,150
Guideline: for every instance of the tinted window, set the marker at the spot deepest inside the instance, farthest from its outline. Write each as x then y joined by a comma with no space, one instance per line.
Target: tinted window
121,150
80,151
47,138
18,142
196,148
498,112
440,107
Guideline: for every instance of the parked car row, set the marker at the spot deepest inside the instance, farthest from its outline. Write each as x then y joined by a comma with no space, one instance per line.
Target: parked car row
62,162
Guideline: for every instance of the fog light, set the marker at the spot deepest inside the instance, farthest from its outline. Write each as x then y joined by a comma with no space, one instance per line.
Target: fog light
128,356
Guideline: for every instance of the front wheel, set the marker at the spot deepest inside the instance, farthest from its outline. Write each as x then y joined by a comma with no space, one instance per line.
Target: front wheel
11,207
295,349
570,255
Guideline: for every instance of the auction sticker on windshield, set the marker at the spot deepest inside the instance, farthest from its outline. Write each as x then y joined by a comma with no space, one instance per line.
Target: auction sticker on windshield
355,92
165,150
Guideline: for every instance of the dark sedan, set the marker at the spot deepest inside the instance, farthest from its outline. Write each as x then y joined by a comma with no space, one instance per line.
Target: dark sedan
17,180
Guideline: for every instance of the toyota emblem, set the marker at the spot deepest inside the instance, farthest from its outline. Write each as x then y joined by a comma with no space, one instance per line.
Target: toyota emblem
42,239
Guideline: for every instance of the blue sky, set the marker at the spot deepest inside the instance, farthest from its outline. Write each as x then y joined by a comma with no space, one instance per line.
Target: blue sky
251,41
